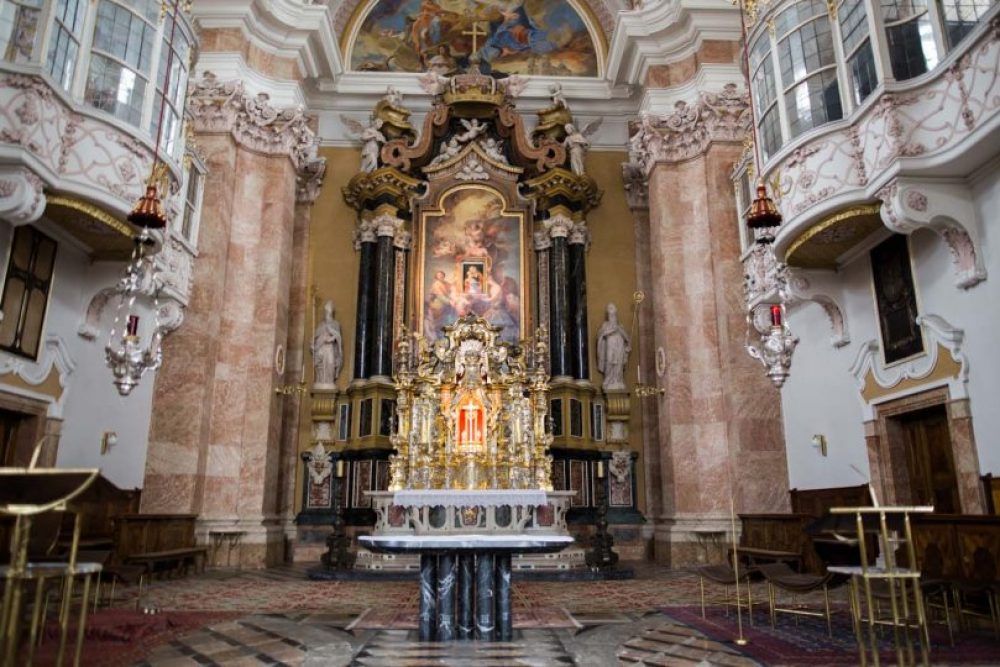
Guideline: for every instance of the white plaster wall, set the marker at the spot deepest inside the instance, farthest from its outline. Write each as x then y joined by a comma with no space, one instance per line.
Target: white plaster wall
91,404
821,396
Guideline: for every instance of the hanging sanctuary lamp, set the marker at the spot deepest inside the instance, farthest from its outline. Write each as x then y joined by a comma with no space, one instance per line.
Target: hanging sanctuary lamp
125,353
769,339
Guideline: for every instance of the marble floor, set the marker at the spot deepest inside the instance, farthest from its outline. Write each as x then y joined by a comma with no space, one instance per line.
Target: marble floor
600,630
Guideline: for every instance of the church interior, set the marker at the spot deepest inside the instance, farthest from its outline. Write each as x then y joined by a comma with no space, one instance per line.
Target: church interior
529,332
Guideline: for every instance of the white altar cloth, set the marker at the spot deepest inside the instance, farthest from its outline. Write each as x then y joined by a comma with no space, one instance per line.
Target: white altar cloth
470,497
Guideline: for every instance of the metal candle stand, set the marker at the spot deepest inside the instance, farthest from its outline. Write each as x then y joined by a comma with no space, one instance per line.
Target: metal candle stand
338,543
602,554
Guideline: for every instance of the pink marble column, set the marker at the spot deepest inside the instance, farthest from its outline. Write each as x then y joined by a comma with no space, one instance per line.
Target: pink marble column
963,444
720,425
215,443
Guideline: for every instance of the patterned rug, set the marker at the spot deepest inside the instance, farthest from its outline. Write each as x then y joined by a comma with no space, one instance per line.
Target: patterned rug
804,640
287,590
115,637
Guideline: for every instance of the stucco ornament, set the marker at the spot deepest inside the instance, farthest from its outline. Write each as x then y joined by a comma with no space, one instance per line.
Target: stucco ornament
320,465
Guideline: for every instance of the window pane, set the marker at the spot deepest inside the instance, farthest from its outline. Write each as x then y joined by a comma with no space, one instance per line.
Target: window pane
805,50
900,10
45,257
18,29
12,294
124,35
115,89
961,16
911,47
770,132
763,85
813,102
31,332
853,24
864,79
20,257
760,51
796,14
64,44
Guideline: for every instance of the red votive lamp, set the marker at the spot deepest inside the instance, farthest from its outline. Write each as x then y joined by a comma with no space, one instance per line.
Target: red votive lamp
775,315
133,325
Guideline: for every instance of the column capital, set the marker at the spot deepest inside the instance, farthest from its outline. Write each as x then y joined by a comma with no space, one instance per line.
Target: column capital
542,240
365,232
580,234
690,129
226,107
558,225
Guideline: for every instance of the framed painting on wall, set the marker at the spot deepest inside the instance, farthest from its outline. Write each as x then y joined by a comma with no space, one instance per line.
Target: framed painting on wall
471,261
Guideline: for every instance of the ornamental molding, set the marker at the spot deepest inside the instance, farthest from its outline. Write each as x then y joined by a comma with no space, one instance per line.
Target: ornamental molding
225,107
923,126
558,226
939,335
636,185
365,232
22,199
690,129
54,355
822,288
909,204
53,144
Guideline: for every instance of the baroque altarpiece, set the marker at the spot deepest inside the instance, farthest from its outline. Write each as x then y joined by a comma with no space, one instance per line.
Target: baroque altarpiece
470,222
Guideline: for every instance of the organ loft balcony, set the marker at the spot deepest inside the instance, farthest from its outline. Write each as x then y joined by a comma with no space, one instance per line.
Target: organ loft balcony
84,100
857,104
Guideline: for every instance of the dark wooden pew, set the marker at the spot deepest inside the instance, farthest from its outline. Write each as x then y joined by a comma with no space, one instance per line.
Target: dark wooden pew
161,542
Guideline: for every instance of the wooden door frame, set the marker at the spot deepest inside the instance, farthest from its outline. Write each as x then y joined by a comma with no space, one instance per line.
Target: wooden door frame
887,458
37,423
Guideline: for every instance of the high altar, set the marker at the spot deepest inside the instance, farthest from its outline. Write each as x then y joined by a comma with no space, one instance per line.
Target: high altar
470,404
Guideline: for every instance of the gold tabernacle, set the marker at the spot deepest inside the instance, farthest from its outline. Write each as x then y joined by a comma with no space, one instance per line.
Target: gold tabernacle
471,411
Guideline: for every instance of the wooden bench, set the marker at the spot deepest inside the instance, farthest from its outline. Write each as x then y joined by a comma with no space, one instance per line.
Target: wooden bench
160,542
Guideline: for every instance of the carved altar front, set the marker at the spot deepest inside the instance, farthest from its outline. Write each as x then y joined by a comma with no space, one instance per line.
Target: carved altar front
471,411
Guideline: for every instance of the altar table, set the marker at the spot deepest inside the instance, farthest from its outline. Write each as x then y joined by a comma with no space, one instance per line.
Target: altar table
481,565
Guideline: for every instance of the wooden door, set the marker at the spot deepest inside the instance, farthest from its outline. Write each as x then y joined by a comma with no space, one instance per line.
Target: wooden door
9,421
930,461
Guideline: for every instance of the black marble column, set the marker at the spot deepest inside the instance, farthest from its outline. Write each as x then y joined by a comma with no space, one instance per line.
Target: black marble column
385,269
577,288
559,348
447,571
428,596
485,590
466,589
505,616
366,310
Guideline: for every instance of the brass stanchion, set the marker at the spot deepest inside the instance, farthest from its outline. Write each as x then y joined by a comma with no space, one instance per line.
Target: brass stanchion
740,640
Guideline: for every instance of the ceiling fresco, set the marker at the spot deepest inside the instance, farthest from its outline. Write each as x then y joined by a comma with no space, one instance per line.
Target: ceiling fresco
533,37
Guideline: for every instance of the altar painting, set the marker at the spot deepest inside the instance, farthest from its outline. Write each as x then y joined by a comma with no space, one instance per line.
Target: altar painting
471,262
542,37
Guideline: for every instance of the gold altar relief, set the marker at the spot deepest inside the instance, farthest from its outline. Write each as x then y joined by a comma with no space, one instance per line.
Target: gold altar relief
471,410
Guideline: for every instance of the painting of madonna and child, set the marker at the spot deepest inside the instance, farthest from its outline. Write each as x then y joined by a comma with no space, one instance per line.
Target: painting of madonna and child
471,263
544,37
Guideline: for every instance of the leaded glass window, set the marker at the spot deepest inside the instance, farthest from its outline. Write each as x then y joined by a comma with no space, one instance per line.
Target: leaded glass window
18,29
858,53
960,17
765,96
121,57
173,114
26,291
909,37
808,66
64,43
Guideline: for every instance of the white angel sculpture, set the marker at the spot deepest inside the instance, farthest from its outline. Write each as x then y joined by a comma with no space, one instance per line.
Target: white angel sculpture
371,140
577,144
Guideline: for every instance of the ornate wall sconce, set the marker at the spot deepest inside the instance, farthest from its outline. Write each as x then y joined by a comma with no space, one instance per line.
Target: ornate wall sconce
291,389
108,440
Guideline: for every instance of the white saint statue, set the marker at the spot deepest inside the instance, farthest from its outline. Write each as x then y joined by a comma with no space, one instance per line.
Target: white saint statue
371,141
613,346
327,349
